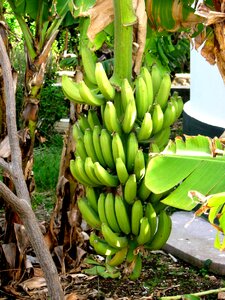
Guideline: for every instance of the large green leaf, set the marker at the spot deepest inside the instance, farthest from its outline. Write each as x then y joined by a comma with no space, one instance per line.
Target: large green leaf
191,166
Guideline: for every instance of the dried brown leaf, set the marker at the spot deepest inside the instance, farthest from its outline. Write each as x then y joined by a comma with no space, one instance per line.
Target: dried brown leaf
33,283
21,237
5,148
9,251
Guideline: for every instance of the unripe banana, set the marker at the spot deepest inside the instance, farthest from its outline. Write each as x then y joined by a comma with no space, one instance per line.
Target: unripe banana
139,165
117,148
162,96
80,149
136,216
88,144
130,116
157,118
146,128
103,82
150,213
83,122
97,145
77,132
180,106
131,250
89,63
100,246
154,148
111,213
104,176
112,238
101,208
130,189
78,172
121,170
143,192
156,78
71,90
93,119
161,138
88,96
118,258
169,115
137,267
144,235
141,97
88,213
122,214
92,197
148,80
162,233
132,148
110,118
127,93
106,147
89,170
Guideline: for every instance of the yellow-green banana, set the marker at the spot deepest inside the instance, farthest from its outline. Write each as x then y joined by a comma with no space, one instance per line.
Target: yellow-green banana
77,132
71,90
180,105
161,138
141,97
80,149
106,147
89,63
89,170
104,176
100,246
117,147
143,192
118,257
131,250
146,128
136,216
130,189
121,171
110,118
97,145
93,119
88,144
130,116
137,267
144,235
148,80
139,165
157,118
156,78
111,213
78,172
88,96
83,122
169,115
112,238
162,96
132,148
122,214
103,82
127,93
88,213
92,197
101,208
150,213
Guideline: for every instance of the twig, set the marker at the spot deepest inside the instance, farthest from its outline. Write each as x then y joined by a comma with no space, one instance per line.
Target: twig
194,294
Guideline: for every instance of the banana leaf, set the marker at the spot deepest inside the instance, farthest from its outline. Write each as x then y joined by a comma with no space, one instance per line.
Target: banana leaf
187,165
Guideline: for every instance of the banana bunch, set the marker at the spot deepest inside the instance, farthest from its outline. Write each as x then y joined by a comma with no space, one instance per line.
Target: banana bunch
112,143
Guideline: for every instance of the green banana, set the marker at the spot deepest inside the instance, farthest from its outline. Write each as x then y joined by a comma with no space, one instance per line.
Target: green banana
131,250
89,63
146,128
141,97
154,148
88,96
132,148
149,85
136,216
83,122
157,118
101,208
110,118
161,138
150,213
88,144
139,165
92,197
180,106
111,213
112,238
93,119
122,214
71,90
89,170
169,115
104,176
117,147
97,145
121,171
143,192
106,147
127,93
137,267
77,132
78,172
103,82
144,235
130,189
80,149
162,232
88,213
156,78
162,96
118,257
130,116
100,246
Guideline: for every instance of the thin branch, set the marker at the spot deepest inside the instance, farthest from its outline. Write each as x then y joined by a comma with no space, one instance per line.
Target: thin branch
6,166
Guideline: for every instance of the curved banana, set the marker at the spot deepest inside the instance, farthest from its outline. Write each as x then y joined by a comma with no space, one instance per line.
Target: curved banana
88,63
180,106
88,213
136,216
110,118
146,128
103,82
149,85
169,115
118,258
117,147
127,93
83,122
144,235
131,250
97,145
132,148
130,116
162,96
143,192
78,172
80,149
111,213
162,233
150,213
88,96
121,170
93,119
88,144
156,78
141,97
77,132
89,170
122,214
106,147
71,90
139,165
92,197
162,137
157,118
104,176
112,238
137,267
100,246
130,189
154,148
101,208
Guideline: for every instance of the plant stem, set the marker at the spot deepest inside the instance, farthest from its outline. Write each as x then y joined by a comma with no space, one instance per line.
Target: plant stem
195,294
123,38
